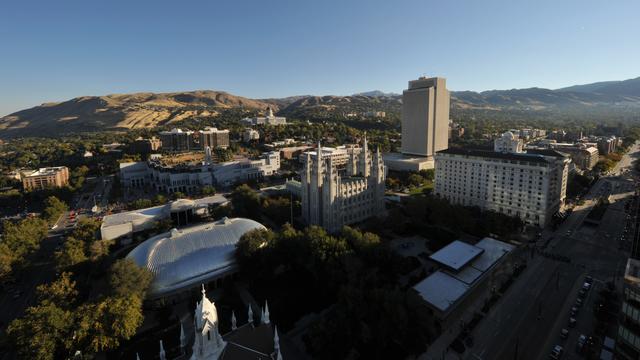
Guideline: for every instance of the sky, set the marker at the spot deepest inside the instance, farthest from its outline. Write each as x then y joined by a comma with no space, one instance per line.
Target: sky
57,50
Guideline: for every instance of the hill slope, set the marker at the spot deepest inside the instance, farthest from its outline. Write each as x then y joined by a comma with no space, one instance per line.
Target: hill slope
140,110
128,111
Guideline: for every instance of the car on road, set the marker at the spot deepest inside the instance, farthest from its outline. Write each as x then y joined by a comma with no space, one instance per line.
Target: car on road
582,340
564,333
574,311
586,286
556,352
572,322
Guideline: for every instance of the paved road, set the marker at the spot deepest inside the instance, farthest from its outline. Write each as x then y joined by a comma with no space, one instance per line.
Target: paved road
527,321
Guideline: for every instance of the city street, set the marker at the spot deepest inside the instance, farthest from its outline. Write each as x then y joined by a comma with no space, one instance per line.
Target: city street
527,321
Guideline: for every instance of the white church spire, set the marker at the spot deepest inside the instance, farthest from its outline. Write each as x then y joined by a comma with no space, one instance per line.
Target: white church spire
183,339
234,326
276,343
266,313
163,355
250,315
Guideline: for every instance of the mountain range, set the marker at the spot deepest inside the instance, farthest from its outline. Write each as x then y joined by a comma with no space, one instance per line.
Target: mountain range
139,110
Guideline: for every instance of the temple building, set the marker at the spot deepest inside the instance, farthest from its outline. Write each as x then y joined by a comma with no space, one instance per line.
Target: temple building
251,341
333,197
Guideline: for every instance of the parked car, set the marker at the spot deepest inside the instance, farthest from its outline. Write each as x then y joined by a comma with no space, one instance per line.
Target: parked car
582,340
564,333
556,352
572,322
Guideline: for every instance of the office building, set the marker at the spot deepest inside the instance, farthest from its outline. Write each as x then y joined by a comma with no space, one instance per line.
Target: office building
584,156
145,146
214,138
529,185
425,125
43,178
508,142
628,344
332,198
191,177
178,140
250,135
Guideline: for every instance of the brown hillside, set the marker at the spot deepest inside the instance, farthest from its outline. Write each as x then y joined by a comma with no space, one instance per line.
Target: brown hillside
120,111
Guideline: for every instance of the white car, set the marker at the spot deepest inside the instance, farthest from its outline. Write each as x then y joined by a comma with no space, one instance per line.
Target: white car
556,353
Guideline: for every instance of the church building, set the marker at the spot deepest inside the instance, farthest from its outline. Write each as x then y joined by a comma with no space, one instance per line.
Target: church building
333,196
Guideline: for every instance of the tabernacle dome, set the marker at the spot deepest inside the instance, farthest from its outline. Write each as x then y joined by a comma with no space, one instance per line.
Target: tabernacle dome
183,258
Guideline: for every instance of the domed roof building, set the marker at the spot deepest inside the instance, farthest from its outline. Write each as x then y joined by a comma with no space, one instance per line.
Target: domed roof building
181,259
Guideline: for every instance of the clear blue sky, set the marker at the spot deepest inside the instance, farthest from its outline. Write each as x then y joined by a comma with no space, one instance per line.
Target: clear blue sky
56,50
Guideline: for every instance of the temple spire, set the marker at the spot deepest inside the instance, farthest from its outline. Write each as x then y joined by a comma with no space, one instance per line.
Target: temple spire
203,291
262,316
183,339
276,343
163,355
266,312
137,356
250,315
233,320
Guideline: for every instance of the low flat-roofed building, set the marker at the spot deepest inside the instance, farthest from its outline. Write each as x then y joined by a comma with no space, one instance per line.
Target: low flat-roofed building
464,267
43,178
180,212
402,162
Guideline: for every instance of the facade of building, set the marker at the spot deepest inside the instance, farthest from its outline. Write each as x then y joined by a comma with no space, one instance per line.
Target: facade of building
145,146
178,140
425,125
529,185
584,156
340,155
628,344
607,145
190,178
425,117
43,178
509,143
268,119
250,135
255,340
214,138
333,198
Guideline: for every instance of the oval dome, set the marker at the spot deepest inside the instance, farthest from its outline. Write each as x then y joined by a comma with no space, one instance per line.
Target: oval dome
182,258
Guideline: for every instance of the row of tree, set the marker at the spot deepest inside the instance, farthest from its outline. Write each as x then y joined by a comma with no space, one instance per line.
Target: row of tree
353,274
19,240
63,322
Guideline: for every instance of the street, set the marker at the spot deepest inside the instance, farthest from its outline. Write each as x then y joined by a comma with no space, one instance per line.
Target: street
527,321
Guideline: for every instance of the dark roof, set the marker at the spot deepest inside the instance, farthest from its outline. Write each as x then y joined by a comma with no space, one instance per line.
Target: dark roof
536,156
249,342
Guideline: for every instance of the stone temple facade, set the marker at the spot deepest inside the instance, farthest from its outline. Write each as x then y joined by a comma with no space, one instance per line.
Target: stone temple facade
335,196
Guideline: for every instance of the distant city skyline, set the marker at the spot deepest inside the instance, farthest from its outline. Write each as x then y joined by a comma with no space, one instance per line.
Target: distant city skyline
52,52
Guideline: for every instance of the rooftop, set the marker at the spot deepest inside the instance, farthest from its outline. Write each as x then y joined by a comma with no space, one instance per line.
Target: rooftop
187,257
445,287
533,155
456,255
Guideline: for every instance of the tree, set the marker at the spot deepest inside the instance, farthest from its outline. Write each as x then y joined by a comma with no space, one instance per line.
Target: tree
6,260
103,325
41,332
72,253
54,207
126,278
61,291
99,249
415,180
86,230
140,204
208,190
246,202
